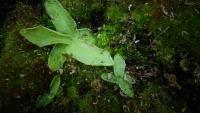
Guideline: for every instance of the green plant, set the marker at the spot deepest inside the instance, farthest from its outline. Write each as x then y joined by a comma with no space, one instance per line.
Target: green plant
47,98
68,40
77,43
119,77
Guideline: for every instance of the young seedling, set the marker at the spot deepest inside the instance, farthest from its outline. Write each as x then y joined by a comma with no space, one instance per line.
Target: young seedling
68,40
119,77
47,98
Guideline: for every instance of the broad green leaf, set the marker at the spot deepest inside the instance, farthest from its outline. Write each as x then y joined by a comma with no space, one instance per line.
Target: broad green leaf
44,100
119,65
87,35
128,78
89,54
42,36
109,77
62,20
55,85
56,58
126,87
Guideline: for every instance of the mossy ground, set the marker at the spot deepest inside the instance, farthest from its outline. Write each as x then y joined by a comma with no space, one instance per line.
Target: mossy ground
159,40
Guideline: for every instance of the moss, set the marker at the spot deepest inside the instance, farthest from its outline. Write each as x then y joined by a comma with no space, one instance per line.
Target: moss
106,35
72,92
175,38
82,10
22,65
154,99
85,105
115,13
109,101
142,14
24,71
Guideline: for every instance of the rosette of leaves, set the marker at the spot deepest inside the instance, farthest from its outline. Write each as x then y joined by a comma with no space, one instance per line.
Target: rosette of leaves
119,77
67,39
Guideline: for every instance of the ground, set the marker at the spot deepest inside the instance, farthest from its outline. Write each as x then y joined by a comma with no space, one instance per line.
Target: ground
159,40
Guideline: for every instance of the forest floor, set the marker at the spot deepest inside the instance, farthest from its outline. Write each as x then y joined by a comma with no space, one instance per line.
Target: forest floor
159,40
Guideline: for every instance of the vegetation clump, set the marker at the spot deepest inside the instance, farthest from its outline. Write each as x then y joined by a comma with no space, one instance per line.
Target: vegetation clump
120,78
78,43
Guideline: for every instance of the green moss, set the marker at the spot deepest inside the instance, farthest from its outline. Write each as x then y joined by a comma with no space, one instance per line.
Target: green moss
115,13
72,92
164,54
109,102
154,98
85,105
179,34
19,54
22,65
106,35
142,14
82,9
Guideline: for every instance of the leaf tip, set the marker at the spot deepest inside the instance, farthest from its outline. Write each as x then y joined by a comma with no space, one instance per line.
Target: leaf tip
22,32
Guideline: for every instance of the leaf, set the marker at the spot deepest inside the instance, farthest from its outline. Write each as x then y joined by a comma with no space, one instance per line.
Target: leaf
89,54
128,78
119,65
56,58
62,20
44,100
55,85
87,35
109,77
42,36
126,87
